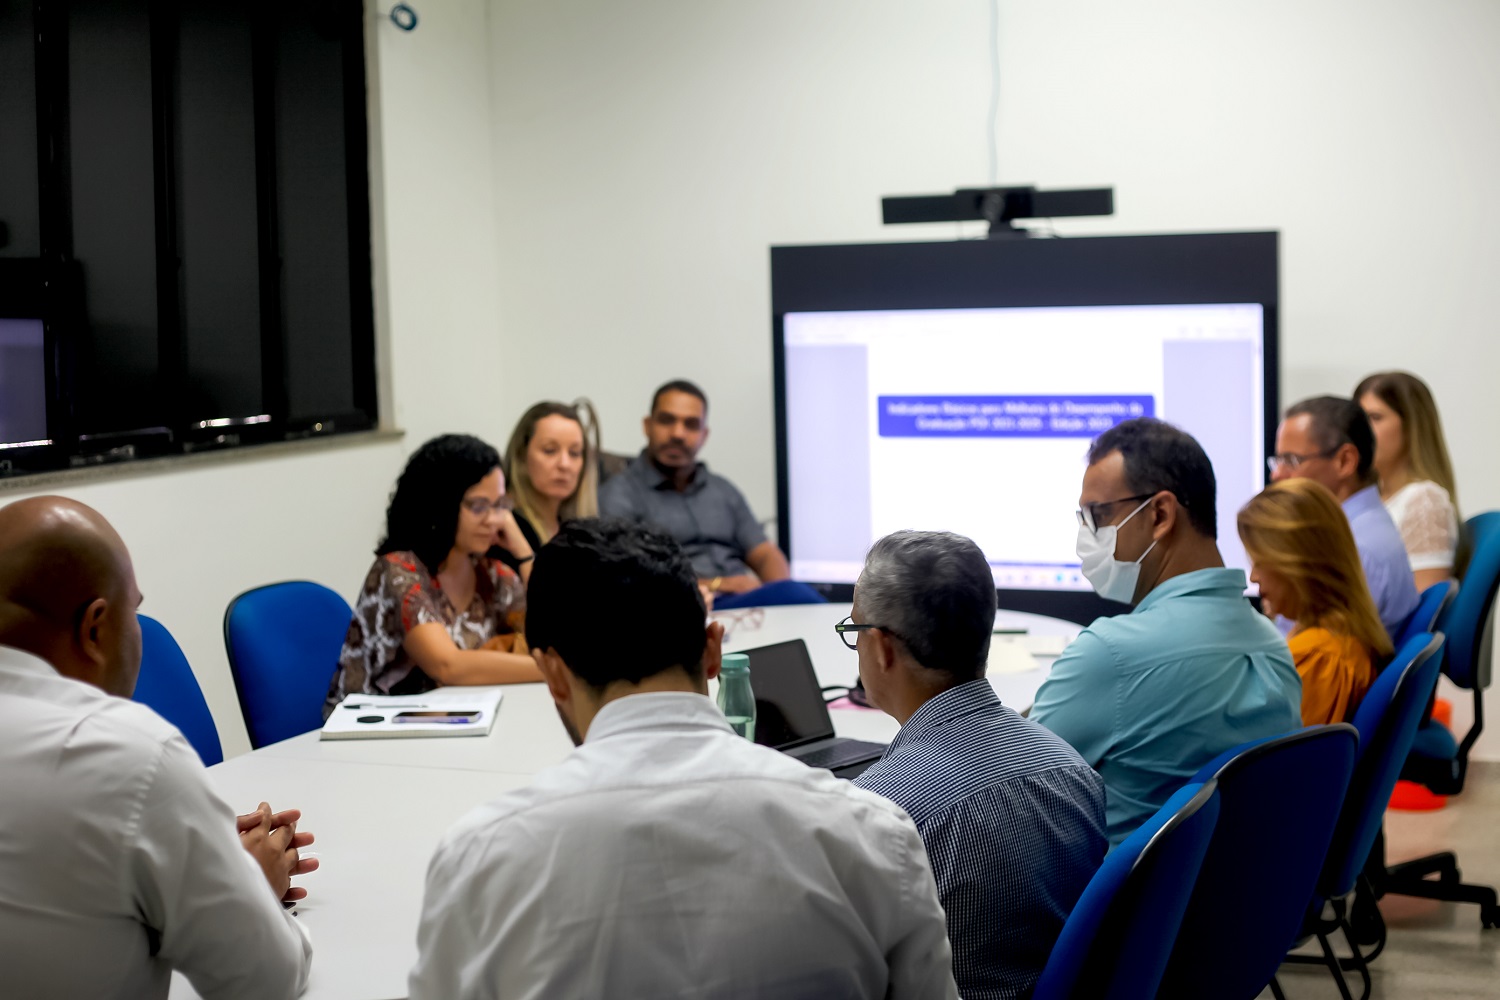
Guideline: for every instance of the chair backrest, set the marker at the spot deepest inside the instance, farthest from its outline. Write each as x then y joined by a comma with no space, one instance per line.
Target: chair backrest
283,642
1464,620
1387,720
611,464
1434,599
1116,941
166,685
1280,799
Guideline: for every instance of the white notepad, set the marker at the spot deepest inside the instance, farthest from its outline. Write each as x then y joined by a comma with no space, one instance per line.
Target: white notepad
448,711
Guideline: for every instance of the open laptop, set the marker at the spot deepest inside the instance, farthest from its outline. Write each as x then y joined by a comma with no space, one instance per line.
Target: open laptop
790,714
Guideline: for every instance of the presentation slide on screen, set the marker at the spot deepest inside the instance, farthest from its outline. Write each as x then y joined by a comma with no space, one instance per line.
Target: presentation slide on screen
978,421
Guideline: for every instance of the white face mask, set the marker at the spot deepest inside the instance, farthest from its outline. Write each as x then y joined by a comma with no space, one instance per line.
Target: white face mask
1112,579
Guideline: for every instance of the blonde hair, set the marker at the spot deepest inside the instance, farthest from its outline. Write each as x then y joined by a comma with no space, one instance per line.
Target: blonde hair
1297,530
1421,427
585,499
1422,434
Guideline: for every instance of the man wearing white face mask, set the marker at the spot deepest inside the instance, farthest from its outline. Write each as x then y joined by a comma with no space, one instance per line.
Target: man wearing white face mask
1149,697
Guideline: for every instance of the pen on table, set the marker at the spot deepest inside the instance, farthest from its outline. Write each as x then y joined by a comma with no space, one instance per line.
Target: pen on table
1010,631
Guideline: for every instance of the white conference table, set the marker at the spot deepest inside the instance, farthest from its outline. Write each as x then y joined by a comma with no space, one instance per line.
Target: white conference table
379,807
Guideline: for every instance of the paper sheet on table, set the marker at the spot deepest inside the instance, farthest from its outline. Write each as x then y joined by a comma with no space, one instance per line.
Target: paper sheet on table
1035,644
1008,656
471,711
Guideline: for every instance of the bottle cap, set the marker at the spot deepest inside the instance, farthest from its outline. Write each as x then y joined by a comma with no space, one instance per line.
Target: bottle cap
734,663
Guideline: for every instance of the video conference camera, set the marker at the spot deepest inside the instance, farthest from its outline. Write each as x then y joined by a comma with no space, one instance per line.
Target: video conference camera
999,206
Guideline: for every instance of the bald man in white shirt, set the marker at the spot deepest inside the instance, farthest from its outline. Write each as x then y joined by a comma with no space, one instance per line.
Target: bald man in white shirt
666,856
118,864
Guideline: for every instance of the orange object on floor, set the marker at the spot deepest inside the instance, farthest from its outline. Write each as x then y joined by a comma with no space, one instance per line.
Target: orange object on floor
1412,797
1409,796
1442,711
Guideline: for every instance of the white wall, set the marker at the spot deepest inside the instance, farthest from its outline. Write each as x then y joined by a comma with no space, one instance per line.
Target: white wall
450,369
647,154
201,535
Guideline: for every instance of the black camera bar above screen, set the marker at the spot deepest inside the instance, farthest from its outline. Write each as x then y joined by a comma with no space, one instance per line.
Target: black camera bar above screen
957,385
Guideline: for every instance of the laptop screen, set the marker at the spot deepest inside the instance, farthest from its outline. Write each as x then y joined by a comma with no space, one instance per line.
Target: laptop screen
789,705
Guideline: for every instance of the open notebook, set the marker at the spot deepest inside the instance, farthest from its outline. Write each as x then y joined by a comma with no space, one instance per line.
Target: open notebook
448,711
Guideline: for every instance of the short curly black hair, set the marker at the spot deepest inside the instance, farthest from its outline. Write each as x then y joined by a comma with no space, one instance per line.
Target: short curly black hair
423,513
679,385
617,601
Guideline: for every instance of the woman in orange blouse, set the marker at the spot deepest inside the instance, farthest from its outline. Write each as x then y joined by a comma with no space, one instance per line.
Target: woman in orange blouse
1303,556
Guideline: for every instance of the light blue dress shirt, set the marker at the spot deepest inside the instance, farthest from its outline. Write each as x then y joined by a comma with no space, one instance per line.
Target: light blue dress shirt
1149,697
1383,554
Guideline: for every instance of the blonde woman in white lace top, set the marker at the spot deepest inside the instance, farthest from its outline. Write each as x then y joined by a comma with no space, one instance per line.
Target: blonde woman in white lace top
1416,476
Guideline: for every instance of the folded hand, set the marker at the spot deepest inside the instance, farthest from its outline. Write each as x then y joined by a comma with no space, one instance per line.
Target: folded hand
273,841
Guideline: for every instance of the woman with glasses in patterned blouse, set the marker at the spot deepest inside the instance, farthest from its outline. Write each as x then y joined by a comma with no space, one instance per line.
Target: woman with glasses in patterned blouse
435,608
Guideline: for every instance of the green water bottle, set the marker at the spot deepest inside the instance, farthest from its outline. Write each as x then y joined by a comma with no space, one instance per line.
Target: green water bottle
736,700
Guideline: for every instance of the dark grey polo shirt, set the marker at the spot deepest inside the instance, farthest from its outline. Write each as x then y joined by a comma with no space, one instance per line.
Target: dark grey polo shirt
710,519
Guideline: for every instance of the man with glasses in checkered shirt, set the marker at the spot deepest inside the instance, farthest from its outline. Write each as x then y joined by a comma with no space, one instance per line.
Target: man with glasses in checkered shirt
1012,818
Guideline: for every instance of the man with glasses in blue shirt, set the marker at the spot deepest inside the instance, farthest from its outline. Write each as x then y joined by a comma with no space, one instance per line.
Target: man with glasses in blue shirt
1149,697
1329,440
1012,818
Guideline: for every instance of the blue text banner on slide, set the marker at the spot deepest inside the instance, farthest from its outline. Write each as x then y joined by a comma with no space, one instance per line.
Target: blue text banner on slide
1008,416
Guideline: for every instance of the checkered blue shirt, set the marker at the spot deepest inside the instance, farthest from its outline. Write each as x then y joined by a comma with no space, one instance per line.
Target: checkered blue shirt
1013,820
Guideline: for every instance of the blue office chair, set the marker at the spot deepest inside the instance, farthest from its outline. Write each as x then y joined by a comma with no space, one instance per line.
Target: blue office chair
1434,600
283,642
1280,799
1116,941
166,685
1387,720
771,595
1437,760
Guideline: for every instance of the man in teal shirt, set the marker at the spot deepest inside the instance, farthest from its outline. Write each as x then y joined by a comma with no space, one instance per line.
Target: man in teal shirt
1149,697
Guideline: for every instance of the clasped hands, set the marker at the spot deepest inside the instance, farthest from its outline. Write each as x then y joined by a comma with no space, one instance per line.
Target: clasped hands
273,841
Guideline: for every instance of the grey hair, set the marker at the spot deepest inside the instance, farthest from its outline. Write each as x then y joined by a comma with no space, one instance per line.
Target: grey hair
935,592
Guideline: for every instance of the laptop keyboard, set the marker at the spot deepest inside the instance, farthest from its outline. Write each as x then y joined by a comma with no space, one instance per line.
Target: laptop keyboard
841,754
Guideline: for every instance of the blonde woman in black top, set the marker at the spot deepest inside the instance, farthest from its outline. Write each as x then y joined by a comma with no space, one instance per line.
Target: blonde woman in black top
552,468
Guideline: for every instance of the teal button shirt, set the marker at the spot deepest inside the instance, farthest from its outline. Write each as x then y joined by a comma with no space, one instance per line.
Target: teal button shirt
1149,697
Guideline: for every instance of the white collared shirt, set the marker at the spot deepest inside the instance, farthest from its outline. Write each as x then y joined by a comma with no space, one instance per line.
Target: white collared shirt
117,862
668,857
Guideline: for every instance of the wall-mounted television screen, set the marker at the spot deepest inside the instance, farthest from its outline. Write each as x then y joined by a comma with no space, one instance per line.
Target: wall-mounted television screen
957,386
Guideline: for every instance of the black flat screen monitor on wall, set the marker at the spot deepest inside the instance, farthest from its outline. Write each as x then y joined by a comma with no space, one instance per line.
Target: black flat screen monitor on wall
957,386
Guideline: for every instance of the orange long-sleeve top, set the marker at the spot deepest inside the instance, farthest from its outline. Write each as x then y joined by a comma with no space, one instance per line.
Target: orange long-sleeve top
1336,672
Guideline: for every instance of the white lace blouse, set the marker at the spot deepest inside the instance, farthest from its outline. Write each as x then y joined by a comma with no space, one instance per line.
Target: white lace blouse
1424,513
